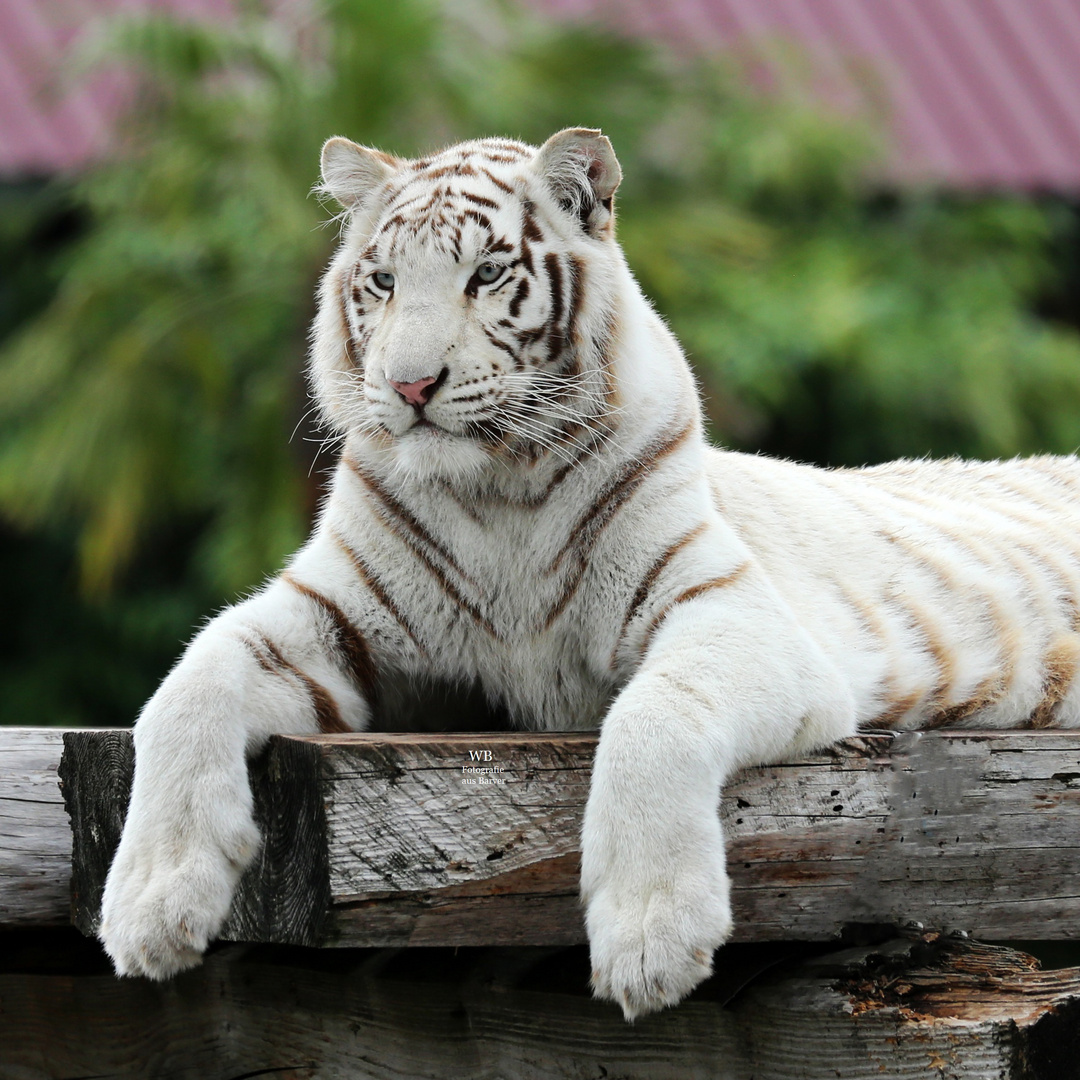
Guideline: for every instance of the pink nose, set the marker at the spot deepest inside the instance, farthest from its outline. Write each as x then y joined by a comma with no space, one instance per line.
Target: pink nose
415,393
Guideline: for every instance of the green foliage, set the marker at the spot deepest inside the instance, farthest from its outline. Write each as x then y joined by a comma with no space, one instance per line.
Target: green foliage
153,397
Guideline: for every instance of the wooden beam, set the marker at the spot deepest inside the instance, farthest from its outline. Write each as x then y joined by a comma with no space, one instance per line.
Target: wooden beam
35,839
404,839
923,1006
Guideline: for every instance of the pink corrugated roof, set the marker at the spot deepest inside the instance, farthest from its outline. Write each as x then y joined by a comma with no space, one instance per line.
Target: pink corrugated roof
984,92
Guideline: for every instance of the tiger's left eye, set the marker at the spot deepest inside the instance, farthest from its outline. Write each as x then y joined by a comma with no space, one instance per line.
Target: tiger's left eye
487,272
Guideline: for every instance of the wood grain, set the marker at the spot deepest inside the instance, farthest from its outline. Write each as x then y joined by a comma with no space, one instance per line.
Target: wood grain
35,841
376,840
917,1007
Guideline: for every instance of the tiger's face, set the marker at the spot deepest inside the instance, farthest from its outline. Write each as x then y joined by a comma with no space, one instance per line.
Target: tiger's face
465,318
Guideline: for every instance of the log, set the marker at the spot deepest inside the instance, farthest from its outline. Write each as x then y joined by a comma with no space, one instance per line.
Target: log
35,839
924,1006
381,840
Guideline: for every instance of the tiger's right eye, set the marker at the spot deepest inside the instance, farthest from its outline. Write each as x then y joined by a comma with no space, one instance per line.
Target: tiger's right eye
384,280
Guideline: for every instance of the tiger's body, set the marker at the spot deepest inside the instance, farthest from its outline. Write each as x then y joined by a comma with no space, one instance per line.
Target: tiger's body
525,501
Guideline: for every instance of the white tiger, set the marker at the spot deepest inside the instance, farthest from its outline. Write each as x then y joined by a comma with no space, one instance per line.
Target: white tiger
525,500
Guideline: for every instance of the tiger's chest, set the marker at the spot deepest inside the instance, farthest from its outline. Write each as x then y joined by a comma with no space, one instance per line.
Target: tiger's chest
517,598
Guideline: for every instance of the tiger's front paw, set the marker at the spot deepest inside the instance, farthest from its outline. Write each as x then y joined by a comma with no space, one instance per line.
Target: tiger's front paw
651,943
167,896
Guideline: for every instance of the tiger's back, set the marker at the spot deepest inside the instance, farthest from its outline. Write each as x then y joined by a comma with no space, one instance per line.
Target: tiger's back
947,591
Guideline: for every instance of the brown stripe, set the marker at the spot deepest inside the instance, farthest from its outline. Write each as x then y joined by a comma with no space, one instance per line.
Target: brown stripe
556,334
584,537
348,344
259,655
468,506
934,700
1059,671
526,258
480,200
530,230
496,181
990,690
481,219
936,711
348,640
1049,564
521,294
327,713
577,294
502,345
647,582
594,435
896,704
375,587
449,589
449,170
691,594
593,521
393,510
897,708
509,145
1008,644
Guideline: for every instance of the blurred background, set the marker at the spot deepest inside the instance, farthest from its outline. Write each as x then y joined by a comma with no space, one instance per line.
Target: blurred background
859,216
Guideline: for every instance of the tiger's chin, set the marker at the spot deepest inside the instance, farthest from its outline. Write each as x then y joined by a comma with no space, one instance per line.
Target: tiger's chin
426,452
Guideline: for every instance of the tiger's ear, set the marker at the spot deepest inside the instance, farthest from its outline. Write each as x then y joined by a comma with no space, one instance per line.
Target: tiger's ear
581,170
350,173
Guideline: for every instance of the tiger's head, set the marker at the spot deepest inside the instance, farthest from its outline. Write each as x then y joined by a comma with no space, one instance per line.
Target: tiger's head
467,314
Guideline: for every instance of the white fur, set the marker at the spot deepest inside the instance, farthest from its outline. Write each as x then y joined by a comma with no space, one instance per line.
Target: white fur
795,604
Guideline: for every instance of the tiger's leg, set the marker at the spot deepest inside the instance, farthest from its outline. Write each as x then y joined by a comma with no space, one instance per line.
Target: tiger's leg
729,680
285,660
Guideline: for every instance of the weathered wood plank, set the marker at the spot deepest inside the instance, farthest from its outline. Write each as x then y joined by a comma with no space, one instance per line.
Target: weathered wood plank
391,839
922,1007
35,839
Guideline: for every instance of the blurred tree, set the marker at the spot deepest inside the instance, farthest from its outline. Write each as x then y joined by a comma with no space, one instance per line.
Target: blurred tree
146,410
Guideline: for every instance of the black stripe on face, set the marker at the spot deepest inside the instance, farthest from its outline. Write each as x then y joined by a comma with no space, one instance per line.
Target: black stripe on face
530,230
521,294
556,335
504,347
481,219
480,200
526,257
501,184
577,293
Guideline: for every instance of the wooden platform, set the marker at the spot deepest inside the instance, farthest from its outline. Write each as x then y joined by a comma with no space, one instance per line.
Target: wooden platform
922,1006
473,839
373,843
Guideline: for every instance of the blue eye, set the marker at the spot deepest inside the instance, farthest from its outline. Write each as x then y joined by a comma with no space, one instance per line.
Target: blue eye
384,280
488,272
